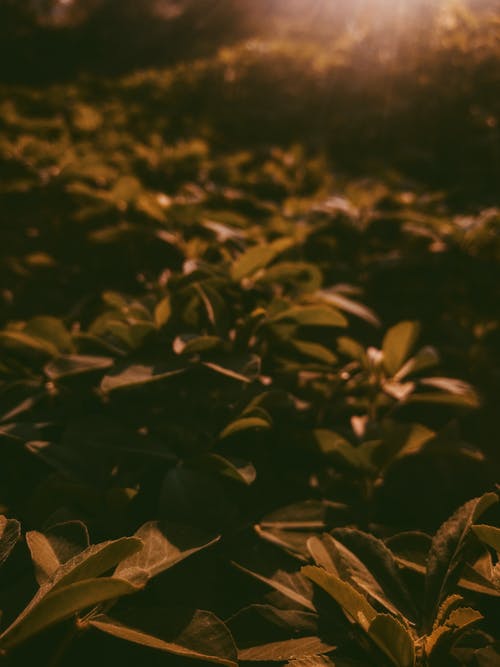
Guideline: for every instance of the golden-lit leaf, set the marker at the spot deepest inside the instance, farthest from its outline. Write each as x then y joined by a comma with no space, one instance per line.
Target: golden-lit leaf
164,545
397,345
354,605
314,351
258,257
136,375
74,364
61,604
311,316
285,650
489,535
195,344
244,423
199,635
162,312
334,446
394,639
444,561
236,469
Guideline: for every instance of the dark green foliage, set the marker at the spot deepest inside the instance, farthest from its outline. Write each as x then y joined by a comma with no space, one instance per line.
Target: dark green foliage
246,379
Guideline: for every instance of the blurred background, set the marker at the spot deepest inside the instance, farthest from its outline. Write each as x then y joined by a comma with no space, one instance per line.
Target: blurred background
414,79
54,39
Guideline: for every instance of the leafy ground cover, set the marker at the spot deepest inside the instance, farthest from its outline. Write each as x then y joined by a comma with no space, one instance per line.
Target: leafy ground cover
249,365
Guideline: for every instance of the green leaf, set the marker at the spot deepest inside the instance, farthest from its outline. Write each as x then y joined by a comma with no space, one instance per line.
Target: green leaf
397,345
335,558
351,348
311,316
348,305
14,339
165,545
314,351
398,441
306,515
292,541
446,556
425,358
475,580
93,561
10,533
193,344
440,398
129,327
136,375
52,330
147,202
23,407
411,550
60,604
244,424
55,547
399,391
292,586
240,371
379,561
291,527
451,392
223,232
74,364
387,632
451,603
354,605
44,558
56,573
94,343
324,552
453,625
489,535
162,312
303,277
199,635
335,446
258,257
236,469
463,617
394,639
285,650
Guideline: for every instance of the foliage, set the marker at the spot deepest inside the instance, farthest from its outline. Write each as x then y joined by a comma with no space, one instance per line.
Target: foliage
245,386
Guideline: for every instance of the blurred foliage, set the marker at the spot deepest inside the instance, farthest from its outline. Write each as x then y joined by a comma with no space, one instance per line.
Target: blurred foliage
249,307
